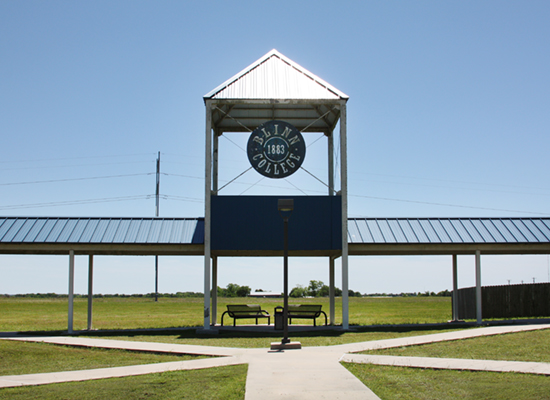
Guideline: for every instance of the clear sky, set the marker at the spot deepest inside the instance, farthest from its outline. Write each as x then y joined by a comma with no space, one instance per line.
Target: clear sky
448,116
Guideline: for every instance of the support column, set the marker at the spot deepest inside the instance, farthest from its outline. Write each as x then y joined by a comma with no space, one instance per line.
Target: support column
214,290
215,163
344,194
331,291
455,287
71,291
207,216
478,287
90,289
331,164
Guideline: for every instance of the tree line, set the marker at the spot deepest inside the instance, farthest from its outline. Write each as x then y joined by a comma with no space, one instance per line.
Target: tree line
314,289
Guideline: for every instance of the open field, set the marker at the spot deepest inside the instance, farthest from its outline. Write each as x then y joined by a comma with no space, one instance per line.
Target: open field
225,383
524,346
31,314
397,383
229,382
17,358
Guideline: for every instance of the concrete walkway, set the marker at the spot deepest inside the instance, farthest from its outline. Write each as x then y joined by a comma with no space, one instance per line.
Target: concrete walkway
309,373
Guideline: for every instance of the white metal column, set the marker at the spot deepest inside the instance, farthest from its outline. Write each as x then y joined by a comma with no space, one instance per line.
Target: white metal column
332,307
71,291
215,162
344,194
331,164
455,287
478,286
214,290
207,217
90,289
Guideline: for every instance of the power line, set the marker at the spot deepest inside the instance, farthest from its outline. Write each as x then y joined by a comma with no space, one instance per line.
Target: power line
77,202
447,205
73,179
76,158
72,165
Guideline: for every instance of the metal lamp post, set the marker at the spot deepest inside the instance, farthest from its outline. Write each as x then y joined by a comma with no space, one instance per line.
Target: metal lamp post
285,207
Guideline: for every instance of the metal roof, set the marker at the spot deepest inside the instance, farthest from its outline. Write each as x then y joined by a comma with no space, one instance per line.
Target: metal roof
449,235
131,235
275,88
185,236
275,76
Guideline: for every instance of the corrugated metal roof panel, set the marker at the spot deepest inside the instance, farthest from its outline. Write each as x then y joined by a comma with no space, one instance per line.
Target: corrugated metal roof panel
364,232
441,232
13,230
397,230
5,227
275,76
88,233
544,229
133,229
98,230
24,230
408,231
78,231
482,230
493,230
419,231
35,231
535,231
67,230
143,233
450,230
110,231
353,231
514,231
375,231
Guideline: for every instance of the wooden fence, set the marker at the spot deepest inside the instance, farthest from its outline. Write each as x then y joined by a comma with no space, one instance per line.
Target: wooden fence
509,301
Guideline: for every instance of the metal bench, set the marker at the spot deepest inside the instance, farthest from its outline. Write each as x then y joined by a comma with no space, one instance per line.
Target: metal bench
246,311
305,311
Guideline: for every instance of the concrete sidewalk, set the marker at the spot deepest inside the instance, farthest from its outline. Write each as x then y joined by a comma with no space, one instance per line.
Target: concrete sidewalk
309,373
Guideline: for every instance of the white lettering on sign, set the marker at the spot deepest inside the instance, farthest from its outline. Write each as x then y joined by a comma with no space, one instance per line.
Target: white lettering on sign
274,152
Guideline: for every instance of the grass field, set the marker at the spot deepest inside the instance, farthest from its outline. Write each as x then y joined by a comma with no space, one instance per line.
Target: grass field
229,382
28,314
226,383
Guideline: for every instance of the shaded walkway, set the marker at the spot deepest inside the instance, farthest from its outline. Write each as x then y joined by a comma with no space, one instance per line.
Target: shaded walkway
310,373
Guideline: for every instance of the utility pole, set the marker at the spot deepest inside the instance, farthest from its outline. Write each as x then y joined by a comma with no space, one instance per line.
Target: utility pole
157,195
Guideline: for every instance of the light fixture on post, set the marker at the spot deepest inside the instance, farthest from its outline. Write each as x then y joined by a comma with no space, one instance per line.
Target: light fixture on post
285,207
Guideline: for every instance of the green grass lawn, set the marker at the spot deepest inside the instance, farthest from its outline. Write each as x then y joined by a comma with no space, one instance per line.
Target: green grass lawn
415,383
398,383
223,383
18,358
28,314
50,315
522,346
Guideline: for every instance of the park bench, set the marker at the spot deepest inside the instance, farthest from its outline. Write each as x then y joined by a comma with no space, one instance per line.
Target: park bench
246,311
305,311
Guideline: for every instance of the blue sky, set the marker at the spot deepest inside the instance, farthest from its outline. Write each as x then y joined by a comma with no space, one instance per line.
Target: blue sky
448,117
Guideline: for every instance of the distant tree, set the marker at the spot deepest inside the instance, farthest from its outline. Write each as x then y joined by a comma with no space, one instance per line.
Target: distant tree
324,291
243,291
314,288
298,291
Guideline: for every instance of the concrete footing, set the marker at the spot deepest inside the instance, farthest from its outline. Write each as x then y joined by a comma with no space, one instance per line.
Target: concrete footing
286,346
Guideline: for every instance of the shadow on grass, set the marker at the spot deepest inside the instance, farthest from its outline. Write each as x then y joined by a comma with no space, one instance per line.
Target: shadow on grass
228,333
259,332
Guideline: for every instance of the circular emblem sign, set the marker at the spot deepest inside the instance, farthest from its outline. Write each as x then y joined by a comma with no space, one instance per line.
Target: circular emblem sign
276,149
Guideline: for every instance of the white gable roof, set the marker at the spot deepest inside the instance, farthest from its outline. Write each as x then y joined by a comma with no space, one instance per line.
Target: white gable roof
275,76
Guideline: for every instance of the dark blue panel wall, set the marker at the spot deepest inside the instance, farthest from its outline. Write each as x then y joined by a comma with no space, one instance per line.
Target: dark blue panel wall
254,223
